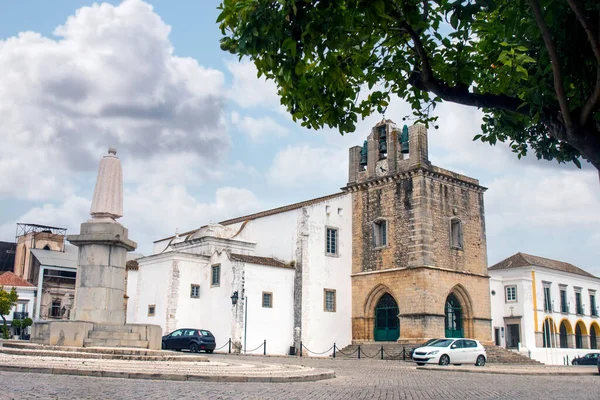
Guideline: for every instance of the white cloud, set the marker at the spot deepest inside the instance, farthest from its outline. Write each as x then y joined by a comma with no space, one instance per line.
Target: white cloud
544,199
155,211
68,214
109,79
151,212
309,166
259,129
249,91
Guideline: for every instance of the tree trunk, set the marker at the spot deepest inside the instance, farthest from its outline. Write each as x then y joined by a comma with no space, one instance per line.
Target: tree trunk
587,141
4,328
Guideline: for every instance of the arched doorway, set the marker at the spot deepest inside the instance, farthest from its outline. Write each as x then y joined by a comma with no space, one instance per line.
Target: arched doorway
594,331
453,317
387,324
548,333
578,337
563,336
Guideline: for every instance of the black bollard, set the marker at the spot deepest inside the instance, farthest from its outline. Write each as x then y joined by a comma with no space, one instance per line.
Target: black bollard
359,351
334,350
265,347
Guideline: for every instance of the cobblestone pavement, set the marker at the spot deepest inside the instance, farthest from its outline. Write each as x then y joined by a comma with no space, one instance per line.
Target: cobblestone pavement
356,379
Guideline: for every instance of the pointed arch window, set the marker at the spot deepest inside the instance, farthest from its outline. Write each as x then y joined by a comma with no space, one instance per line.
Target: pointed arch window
456,233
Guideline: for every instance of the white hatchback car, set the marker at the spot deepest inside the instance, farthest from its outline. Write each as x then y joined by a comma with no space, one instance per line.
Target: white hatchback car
451,351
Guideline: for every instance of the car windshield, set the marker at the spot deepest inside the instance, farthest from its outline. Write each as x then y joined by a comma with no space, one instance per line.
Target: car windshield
442,343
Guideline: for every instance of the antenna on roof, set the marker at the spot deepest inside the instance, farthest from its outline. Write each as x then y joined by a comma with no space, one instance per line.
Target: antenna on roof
176,232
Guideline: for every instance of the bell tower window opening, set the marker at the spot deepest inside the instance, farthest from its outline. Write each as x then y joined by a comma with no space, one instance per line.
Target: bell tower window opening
380,234
382,135
364,151
456,233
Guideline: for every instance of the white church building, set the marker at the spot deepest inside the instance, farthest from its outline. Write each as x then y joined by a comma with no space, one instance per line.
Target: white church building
242,280
398,255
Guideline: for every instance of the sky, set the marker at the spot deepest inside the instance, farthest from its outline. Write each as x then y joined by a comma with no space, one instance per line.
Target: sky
202,139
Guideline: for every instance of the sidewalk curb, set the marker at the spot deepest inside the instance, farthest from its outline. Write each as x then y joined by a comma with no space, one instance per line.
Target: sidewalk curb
507,372
328,374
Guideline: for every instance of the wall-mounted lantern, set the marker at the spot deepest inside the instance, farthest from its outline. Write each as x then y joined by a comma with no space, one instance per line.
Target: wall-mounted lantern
234,298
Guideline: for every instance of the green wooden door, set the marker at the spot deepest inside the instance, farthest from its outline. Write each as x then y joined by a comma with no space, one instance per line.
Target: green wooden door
387,324
453,320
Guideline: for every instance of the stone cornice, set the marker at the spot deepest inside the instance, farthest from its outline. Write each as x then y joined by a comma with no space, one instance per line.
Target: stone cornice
381,271
434,172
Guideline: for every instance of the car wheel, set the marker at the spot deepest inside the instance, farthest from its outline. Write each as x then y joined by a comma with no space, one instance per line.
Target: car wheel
444,360
421,364
193,348
164,345
480,361
575,362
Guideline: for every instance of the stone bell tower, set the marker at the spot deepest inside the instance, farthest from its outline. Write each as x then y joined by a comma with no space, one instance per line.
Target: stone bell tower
419,249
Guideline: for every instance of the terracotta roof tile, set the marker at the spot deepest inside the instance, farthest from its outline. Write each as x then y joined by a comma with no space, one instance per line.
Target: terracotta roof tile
9,279
259,260
525,260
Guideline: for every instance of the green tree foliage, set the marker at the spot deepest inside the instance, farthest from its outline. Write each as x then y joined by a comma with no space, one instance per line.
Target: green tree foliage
532,66
7,301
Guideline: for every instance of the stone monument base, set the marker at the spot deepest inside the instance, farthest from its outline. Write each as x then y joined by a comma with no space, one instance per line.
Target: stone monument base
91,334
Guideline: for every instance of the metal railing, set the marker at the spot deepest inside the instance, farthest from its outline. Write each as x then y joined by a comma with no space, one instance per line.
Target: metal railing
333,351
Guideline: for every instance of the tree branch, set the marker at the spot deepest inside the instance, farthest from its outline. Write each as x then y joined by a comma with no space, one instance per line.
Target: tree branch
593,100
575,6
558,81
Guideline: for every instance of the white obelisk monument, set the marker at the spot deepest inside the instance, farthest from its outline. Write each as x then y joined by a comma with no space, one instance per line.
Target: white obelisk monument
103,245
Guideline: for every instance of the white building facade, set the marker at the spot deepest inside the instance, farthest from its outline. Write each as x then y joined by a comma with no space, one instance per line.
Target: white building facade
280,276
544,308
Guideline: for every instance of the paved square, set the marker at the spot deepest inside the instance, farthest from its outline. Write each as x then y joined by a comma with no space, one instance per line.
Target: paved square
356,379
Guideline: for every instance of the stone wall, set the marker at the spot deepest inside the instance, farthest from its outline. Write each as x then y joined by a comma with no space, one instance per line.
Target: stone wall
418,266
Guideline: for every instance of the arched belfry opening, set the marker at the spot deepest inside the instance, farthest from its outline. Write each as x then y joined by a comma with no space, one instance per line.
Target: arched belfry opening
387,324
458,320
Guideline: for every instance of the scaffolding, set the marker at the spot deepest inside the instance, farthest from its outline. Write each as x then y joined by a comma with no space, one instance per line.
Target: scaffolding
24,229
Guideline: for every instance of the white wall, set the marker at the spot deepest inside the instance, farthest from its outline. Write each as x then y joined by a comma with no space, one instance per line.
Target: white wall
524,306
273,324
320,329
274,235
213,309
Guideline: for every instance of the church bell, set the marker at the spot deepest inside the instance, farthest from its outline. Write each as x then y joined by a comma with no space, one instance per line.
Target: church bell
363,155
404,140
382,141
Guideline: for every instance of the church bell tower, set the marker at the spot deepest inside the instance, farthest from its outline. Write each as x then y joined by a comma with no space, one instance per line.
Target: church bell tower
419,248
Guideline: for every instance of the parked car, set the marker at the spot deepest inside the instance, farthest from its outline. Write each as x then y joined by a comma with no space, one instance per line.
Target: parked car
588,359
193,340
598,365
451,351
427,343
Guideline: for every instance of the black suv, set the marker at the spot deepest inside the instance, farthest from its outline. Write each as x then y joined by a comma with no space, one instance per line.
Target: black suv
193,340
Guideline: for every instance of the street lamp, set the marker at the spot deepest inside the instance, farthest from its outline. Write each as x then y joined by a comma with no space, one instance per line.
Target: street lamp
234,298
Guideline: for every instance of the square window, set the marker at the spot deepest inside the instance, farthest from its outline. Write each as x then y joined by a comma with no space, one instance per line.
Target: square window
511,293
195,291
215,279
331,241
151,310
380,233
329,300
267,300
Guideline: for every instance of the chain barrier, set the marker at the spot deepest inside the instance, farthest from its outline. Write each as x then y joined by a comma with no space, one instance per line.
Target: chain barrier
222,347
250,351
368,356
346,354
324,352
402,354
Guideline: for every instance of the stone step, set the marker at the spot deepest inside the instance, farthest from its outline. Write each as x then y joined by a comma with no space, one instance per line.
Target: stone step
113,335
46,351
112,328
115,343
96,350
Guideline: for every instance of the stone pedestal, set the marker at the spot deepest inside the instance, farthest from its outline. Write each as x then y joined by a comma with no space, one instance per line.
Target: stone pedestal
100,284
